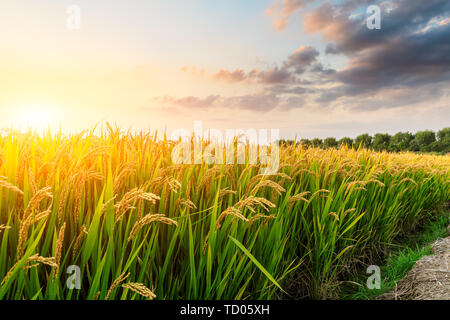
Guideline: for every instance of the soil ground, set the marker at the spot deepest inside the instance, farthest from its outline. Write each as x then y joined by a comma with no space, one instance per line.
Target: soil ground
429,279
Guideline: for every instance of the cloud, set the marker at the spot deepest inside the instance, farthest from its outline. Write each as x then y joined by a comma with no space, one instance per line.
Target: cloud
189,102
274,75
193,70
270,76
292,103
255,102
411,53
320,69
298,62
282,10
411,49
385,98
235,76
302,58
410,60
349,33
292,90
259,102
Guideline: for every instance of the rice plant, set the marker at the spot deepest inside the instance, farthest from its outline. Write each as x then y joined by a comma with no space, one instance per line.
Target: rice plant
139,226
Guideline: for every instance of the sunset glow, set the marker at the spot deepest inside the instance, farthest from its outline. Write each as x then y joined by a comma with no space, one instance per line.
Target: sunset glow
35,116
267,152
165,64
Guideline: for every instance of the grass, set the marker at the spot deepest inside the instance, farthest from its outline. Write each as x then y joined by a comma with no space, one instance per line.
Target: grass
401,259
139,226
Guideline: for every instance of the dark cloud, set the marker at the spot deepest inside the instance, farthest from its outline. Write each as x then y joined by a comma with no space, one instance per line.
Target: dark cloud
331,48
409,51
256,102
300,61
320,69
274,75
293,90
349,33
261,102
404,63
385,98
270,76
302,58
294,102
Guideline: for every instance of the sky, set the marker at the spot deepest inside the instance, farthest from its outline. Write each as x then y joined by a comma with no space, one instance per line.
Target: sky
308,68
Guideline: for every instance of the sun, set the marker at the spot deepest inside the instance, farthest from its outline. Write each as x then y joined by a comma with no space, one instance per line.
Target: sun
35,116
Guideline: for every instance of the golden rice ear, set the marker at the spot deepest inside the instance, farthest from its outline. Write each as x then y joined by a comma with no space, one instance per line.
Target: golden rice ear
124,171
268,184
259,217
139,288
127,201
62,202
148,219
96,296
35,201
23,230
231,211
4,227
9,186
58,251
225,191
40,260
79,240
116,283
298,197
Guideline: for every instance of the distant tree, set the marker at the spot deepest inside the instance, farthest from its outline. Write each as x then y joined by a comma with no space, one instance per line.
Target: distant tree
425,140
289,142
365,140
401,141
436,147
346,141
305,142
330,143
444,134
317,143
381,141
414,145
444,140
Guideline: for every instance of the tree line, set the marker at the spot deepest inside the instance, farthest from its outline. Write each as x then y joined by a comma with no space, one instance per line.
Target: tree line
422,141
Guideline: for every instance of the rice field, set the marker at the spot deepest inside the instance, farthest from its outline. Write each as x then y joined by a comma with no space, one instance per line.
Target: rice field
133,225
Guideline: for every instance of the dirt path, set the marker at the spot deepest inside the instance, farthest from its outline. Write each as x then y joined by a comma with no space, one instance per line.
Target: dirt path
429,279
